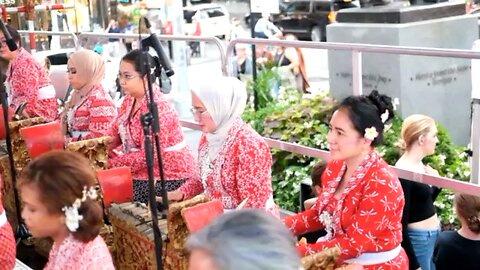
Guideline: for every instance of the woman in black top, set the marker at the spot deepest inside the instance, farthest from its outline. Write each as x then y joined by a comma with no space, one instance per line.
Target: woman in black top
420,222
460,250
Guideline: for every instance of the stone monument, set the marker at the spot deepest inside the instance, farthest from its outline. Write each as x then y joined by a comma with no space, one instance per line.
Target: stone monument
435,86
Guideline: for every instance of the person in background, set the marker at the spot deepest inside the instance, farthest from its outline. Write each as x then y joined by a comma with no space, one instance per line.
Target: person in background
234,160
27,81
264,28
420,223
316,176
291,66
360,207
89,110
128,146
60,202
243,239
242,62
460,250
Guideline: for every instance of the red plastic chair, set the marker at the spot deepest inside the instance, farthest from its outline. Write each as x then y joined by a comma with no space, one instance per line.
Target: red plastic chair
3,132
200,215
43,138
116,185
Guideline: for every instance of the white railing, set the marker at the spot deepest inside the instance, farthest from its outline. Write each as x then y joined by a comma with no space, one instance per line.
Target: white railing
357,50
438,181
83,38
51,33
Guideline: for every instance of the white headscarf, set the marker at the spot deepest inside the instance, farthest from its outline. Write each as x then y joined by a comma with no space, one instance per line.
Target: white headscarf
225,99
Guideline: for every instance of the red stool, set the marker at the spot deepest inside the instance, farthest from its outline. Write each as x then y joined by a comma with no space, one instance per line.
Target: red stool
3,132
43,138
116,185
200,215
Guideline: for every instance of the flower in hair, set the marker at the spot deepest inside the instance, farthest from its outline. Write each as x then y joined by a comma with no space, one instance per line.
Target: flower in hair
384,116
371,133
396,102
72,216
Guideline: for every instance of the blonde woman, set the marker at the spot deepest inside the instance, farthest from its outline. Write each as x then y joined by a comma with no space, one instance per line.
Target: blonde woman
420,222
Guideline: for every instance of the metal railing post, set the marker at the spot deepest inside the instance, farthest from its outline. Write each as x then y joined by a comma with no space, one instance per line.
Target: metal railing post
475,142
357,73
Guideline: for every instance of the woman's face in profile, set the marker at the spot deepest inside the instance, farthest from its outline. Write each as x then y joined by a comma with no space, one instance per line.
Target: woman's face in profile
201,260
201,115
343,140
430,141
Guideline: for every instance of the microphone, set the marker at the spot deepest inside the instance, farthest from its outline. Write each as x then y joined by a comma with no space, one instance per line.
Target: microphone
154,42
12,46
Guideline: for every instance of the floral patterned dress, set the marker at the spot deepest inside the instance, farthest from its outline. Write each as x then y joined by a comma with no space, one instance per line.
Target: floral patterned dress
27,81
73,254
366,219
93,115
178,160
7,241
241,170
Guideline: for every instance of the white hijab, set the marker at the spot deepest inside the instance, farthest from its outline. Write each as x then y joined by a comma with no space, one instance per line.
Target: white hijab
225,99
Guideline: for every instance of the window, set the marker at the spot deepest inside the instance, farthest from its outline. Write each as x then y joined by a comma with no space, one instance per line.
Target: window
188,15
299,7
215,12
322,7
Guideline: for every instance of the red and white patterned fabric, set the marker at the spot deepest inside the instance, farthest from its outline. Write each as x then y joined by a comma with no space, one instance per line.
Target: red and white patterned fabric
127,131
7,241
365,219
73,254
93,115
241,170
27,81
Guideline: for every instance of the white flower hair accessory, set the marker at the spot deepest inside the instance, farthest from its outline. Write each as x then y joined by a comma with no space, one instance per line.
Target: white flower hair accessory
396,102
72,217
371,133
384,116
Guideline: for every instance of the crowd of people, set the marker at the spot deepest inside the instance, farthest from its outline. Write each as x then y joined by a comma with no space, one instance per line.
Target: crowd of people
376,219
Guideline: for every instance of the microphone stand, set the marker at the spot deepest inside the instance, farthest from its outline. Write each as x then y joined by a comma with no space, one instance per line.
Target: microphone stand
150,123
21,232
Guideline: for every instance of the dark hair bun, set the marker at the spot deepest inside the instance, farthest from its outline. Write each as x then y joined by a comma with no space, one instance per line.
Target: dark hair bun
383,103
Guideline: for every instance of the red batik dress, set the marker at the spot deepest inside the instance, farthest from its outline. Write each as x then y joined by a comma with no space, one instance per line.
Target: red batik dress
179,162
7,240
241,170
73,254
93,115
365,222
27,81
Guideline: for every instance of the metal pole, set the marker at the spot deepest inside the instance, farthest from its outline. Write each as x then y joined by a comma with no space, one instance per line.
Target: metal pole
475,142
183,100
254,60
357,73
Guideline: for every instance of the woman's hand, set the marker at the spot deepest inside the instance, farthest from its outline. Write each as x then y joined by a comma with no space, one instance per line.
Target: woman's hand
174,196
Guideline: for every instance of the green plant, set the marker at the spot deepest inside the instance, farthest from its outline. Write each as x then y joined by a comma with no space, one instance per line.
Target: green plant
297,119
262,86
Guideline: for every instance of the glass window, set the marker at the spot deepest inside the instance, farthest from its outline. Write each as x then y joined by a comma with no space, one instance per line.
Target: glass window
299,7
322,6
215,12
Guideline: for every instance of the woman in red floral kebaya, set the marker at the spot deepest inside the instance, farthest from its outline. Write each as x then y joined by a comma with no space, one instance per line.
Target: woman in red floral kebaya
360,206
128,147
234,161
